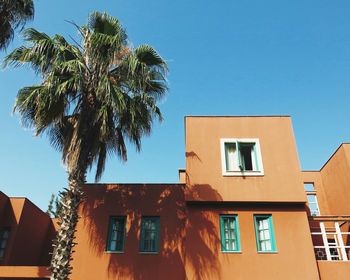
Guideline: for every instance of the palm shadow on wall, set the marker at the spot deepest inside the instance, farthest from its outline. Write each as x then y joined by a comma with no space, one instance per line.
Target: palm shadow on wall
189,241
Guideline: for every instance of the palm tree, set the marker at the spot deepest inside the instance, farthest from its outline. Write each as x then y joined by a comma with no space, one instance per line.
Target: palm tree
13,14
94,96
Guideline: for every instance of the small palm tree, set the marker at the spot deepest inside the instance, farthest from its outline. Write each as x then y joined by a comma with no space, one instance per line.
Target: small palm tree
13,14
93,96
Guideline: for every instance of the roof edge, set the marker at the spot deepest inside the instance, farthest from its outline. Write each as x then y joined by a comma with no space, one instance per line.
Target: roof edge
237,116
344,143
134,184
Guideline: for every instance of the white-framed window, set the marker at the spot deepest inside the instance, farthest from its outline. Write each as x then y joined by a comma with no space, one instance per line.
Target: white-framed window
313,204
241,157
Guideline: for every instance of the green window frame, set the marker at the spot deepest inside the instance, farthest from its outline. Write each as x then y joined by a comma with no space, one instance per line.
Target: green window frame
4,236
149,236
264,233
116,234
241,156
229,233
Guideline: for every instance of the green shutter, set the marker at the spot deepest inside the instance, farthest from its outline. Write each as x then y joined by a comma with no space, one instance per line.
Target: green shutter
272,232
256,157
240,161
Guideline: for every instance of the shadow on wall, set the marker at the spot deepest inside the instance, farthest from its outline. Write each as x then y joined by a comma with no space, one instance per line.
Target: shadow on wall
8,221
178,228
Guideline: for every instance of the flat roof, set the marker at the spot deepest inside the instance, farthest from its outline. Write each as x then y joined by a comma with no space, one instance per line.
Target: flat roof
238,116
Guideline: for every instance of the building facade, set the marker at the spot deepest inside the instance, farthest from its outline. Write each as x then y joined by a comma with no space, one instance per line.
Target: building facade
243,209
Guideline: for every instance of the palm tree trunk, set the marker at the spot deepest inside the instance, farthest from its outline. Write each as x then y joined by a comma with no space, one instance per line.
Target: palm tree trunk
63,244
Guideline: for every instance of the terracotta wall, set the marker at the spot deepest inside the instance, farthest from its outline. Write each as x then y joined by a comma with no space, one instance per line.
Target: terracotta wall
315,177
189,238
133,201
294,258
10,220
24,272
334,270
30,228
335,176
32,231
332,183
282,180
3,201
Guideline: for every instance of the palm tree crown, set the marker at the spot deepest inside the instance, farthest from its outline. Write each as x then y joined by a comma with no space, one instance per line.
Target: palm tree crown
13,14
94,96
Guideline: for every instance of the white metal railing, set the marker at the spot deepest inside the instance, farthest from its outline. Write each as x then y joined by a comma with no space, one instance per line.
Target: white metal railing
330,243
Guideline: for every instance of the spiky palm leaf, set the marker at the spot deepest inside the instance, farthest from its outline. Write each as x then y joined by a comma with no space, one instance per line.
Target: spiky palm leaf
13,14
93,96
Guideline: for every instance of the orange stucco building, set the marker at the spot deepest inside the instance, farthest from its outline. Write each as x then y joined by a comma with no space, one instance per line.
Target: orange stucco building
243,209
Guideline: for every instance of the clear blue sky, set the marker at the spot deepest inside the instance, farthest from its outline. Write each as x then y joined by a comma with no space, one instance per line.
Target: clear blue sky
225,58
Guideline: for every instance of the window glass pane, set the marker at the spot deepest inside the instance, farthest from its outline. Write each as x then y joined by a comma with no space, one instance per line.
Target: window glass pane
313,207
265,223
229,233
268,245
4,235
149,234
231,157
309,187
264,233
311,198
116,234
314,210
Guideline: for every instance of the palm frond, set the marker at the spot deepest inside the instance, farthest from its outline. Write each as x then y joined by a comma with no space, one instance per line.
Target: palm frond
106,24
92,97
13,14
101,162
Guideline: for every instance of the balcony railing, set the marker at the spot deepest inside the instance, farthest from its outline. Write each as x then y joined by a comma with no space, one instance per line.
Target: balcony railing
331,237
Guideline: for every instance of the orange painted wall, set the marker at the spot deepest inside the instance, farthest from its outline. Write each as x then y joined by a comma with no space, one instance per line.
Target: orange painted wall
30,234
334,270
24,272
189,238
294,258
332,183
3,201
315,177
282,180
9,220
335,176
167,201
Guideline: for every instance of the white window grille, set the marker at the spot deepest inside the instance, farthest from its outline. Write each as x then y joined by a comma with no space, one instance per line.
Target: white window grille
330,242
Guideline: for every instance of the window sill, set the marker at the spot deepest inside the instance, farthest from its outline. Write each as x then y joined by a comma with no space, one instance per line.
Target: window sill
149,253
267,252
231,252
114,252
242,174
